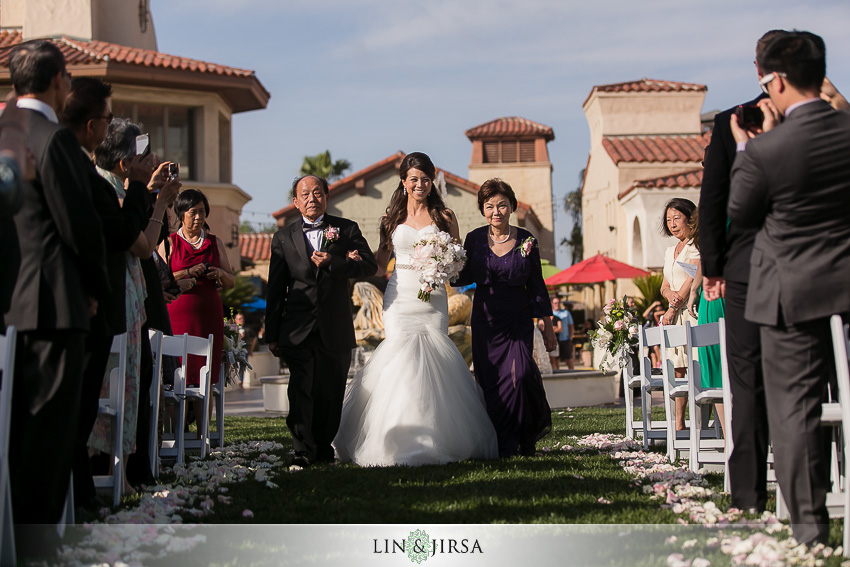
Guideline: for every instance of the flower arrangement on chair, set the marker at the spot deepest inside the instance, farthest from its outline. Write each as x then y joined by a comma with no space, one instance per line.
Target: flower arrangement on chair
616,334
234,354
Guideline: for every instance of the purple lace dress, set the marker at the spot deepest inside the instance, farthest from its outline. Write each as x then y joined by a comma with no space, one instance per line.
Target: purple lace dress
509,293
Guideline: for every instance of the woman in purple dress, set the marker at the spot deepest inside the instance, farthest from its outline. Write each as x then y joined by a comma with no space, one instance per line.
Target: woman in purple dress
504,263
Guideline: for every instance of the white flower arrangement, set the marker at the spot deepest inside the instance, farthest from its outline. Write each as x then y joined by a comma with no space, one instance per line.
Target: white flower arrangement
438,259
234,354
616,334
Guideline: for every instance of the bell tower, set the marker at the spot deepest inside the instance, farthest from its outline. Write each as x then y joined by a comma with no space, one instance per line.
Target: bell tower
515,150
124,22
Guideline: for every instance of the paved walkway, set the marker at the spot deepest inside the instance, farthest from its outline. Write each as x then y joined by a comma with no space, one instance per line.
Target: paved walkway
246,402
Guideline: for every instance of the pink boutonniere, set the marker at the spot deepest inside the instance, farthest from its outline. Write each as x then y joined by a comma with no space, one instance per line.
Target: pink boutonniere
526,246
330,234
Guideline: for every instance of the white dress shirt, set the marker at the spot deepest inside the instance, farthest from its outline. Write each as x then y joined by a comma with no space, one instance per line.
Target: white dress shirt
314,237
38,106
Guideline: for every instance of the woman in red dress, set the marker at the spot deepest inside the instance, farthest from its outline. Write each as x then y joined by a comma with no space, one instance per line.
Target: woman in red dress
198,257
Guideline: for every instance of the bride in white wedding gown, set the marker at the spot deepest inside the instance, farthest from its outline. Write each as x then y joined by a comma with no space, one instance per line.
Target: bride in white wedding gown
415,402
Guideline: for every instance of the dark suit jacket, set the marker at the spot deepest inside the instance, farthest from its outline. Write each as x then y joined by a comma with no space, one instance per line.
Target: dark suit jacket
793,184
60,236
723,253
121,228
301,297
10,260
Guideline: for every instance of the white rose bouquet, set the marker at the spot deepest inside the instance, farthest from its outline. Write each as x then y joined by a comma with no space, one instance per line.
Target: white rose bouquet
438,259
616,334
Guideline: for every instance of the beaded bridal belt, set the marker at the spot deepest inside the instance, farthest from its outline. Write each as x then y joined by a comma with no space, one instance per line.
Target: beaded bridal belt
404,267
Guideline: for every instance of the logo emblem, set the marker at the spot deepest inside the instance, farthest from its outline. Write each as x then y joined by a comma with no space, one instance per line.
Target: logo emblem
419,546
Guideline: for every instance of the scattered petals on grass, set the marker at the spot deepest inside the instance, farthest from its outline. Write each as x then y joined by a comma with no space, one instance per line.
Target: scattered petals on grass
687,494
153,528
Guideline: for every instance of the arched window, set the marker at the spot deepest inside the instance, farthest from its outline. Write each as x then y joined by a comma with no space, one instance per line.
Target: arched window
637,244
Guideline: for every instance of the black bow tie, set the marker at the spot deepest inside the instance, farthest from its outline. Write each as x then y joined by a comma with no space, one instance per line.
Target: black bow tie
307,227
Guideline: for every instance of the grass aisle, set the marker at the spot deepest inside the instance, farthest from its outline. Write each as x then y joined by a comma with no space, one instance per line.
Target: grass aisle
600,479
553,487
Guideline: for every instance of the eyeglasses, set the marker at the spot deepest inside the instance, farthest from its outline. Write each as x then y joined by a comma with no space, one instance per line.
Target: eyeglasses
769,77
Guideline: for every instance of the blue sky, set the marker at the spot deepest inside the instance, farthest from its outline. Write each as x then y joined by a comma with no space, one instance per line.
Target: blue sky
365,78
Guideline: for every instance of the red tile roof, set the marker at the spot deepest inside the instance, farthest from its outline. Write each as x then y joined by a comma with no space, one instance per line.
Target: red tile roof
510,126
685,179
646,86
649,86
257,247
649,149
94,54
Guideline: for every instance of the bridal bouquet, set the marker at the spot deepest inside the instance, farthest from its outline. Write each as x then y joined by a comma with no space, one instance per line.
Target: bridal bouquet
234,354
438,259
616,335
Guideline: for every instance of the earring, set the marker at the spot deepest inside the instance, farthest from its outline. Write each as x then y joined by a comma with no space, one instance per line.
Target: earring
404,191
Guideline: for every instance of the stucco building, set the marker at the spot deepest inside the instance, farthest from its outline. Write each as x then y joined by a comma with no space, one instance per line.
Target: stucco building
646,146
184,104
363,197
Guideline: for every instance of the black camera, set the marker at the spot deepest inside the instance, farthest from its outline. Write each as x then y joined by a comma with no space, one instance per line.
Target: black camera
749,116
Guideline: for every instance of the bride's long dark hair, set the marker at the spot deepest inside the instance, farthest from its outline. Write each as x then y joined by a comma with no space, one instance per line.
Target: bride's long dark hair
397,210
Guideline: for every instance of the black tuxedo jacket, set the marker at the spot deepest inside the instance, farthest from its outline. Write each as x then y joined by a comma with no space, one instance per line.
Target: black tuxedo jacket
793,184
60,236
302,297
121,228
723,252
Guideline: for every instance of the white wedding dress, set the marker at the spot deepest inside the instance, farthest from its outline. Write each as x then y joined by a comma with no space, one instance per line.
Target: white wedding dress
415,401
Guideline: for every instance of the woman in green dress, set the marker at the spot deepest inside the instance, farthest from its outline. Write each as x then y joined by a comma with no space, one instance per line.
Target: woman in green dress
707,312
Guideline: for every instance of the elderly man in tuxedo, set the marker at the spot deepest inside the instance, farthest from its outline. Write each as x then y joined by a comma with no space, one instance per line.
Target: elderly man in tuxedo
62,277
308,315
792,183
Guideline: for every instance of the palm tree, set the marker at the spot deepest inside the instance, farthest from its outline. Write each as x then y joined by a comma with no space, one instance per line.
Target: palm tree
321,165
650,290
572,204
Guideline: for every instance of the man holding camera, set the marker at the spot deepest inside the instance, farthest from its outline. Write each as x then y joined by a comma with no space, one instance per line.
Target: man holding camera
725,252
792,184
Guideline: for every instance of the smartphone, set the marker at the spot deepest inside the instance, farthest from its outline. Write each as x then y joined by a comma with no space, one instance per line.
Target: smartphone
749,116
173,171
143,145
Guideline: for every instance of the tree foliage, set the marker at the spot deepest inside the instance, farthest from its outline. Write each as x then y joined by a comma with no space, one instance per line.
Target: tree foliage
242,292
321,165
650,290
572,205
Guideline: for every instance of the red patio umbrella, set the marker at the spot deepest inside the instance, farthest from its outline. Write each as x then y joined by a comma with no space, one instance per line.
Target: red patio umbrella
596,269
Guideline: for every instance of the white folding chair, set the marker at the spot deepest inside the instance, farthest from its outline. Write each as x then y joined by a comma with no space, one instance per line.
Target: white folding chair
112,408
727,403
649,337
705,446
677,441
7,365
156,389
184,346
838,413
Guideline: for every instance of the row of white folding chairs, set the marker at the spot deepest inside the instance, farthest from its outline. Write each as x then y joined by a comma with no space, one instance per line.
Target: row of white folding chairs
703,446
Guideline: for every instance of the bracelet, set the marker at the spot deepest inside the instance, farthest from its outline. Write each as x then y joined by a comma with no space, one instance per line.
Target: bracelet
157,220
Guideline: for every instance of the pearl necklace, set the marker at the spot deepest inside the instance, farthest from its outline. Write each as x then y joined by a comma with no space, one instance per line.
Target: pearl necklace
198,241
508,237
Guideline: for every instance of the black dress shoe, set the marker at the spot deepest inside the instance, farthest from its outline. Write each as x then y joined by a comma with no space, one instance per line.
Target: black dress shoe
301,461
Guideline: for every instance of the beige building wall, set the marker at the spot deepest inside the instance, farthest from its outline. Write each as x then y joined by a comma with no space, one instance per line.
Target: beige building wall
114,21
532,183
609,223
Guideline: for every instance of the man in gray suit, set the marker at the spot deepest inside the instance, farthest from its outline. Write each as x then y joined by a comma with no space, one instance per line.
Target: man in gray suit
793,183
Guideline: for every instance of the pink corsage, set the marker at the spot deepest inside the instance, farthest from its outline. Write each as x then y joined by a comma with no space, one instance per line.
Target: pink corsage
331,234
526,246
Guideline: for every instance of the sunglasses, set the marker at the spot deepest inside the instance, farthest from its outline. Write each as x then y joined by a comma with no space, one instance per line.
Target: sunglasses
769,77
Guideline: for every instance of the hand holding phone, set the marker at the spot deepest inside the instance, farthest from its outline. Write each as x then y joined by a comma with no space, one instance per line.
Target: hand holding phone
749,116
173,171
